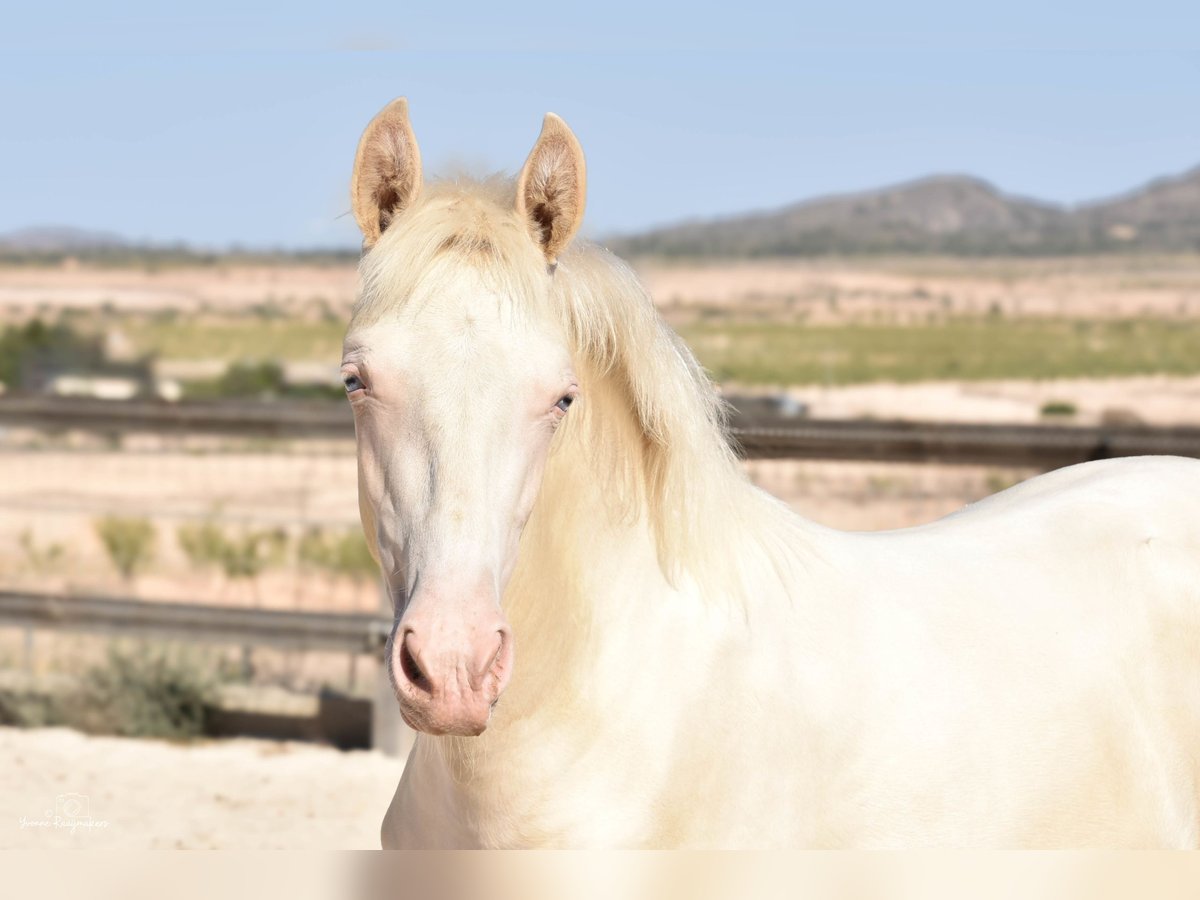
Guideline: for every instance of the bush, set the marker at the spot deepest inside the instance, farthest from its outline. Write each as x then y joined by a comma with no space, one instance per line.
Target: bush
259,381
247,555
29,708
244,555
202,544
342,555
43,559
129,543
1058,408
248,380
143,694
353,559
32,353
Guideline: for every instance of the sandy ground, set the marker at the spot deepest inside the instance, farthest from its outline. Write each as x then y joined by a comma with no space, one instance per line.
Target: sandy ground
231,794
1152,400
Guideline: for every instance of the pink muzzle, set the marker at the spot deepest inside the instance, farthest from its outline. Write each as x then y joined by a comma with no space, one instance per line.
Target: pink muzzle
450,670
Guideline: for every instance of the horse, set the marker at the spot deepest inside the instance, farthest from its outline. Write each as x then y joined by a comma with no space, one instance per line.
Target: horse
542,465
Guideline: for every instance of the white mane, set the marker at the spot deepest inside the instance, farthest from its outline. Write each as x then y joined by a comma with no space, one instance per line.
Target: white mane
682,474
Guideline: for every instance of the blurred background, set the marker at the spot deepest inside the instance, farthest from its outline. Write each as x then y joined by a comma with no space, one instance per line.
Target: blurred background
925,252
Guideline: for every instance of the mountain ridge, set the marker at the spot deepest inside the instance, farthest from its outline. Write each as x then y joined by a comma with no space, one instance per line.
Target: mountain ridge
953,214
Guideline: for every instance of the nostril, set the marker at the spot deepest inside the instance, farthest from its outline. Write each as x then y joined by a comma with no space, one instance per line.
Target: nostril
500,665
412,670
486,667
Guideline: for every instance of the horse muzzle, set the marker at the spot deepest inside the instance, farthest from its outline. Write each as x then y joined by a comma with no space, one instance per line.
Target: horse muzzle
449,673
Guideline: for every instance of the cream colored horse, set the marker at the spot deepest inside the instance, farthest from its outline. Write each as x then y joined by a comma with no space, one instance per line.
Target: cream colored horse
544,481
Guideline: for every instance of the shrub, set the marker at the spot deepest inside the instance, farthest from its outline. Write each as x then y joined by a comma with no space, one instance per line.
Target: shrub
247,555
1058,408
43,559
129,543
314,550
999,481
341,555
246,380
353,559
244,555
143,693
203,544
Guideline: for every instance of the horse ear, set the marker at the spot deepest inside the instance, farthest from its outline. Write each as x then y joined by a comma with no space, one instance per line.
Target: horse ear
387,171
552,187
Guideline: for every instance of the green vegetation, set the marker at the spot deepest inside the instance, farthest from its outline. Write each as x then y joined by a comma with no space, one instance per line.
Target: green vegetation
1058,409
741,350
250,338
128,542
971,349
203,544
242,555
258,381
764,352
171,256
144,693
252,380
43,559
342,554
995,482
33,353
138,691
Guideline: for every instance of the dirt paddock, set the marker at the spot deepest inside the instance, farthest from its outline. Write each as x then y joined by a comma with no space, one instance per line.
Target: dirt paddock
142,794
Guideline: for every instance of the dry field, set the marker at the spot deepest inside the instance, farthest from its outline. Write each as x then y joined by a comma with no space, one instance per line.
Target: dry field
26,289
915,289
818,290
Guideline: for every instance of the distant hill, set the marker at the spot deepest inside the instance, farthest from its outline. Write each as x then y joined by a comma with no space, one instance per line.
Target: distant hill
59,239
944,214
52,244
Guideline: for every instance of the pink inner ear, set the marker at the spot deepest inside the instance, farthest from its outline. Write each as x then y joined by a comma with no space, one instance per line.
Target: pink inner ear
551,188
387,171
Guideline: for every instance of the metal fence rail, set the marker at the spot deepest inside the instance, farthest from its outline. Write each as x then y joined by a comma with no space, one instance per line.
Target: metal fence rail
1035,446
290,419
202,623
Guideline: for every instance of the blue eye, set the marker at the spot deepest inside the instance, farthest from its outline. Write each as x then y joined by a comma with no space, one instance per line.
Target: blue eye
565,403
353,383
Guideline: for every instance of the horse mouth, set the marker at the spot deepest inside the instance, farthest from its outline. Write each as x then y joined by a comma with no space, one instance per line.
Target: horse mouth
427,722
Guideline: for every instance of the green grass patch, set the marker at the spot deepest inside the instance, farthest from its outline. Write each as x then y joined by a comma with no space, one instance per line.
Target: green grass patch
250,338
785,353
970,349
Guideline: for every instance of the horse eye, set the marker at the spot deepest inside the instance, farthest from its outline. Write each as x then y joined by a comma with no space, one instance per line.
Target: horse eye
564,403
353,383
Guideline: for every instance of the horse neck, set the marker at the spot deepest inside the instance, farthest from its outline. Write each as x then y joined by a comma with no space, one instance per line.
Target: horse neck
591,581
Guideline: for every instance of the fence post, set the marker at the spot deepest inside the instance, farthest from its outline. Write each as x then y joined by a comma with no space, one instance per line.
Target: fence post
389,734
29,651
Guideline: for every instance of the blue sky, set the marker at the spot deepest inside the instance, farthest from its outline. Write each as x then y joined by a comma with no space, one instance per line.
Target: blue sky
222,123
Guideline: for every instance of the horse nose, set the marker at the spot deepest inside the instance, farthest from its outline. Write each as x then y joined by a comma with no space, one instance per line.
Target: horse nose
448,678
